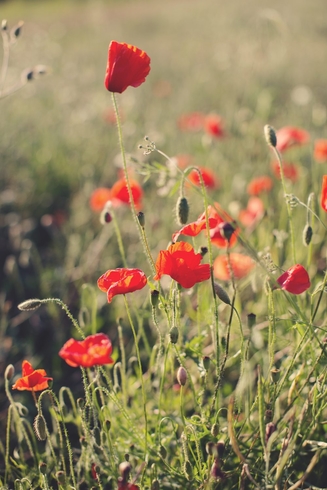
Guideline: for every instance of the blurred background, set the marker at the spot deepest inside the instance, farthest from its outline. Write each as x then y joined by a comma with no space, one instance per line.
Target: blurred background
253,63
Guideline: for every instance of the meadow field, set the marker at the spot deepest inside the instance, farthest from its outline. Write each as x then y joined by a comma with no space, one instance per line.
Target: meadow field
211,373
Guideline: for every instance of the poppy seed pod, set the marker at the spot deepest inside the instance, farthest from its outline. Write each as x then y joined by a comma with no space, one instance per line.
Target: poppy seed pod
182,210
270,135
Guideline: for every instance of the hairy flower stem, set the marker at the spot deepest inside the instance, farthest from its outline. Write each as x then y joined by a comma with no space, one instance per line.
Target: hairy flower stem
141,376
289,210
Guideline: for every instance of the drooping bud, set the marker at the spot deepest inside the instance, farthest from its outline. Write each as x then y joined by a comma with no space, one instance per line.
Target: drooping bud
16,30
154,298
221,293
270,135
9,372
162,451
307,235
39,426
181,376
141,218
215,429
30,304
182,210
61,477
173,334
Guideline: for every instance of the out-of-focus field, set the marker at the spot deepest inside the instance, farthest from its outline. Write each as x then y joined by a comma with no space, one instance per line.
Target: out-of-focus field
253,62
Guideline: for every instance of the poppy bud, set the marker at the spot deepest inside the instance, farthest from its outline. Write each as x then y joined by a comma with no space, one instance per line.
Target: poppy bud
215,430
155,485
270,135
43,468
209,448
252,318
206,362
15,31
203,251
30,304
275,374
105,217
9,372
268,415
162,451
61,477
39,426
226,230
173,334
221,293
154,298
220,448
270,429
181,376
182,209
141,218
107,425
4,25
307,235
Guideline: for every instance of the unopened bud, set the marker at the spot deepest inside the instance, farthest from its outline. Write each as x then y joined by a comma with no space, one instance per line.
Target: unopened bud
61,477
9,372
209,448
206,362
182,210
162,451
154,298
39,426
270,135
181,376
268,415
226,230
173,334
105,217
16,30
270,429
220,448
203,251
275,375
141,218
221,293
252,318
155,485
30,304
215,430
307,235
43,468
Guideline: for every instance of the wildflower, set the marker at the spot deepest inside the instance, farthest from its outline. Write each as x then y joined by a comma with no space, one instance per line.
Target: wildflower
182,264
323,199
192,122
241,266
95,350
208,176
216,233
320,151
32,379
127,66
193,229
253,212
121,281
295,280
291,136
99,197
119,193
213,125
259,185
291,171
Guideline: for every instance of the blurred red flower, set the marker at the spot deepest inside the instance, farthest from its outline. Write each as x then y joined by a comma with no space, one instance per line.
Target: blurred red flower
122,485
259,185
323,199
121,281
253,213
213,125
193,229
217,233
95,350
290,136
240,264
291,171
32,379
182,264
295,280
208,176
127,66
320,151
99,197
191,122
119,193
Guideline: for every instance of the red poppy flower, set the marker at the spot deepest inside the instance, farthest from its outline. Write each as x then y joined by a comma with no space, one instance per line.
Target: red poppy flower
32,379
213,125
182,264
99,197
295,280
323,199
119,193
121,281
253,213
320,151
127,66
192,122
193,229
208,176
259,185
291,171
290,136
217,234
240,264
95,350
